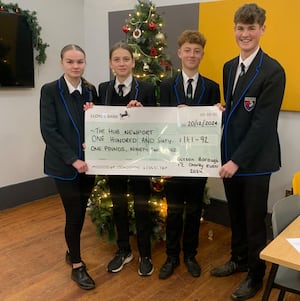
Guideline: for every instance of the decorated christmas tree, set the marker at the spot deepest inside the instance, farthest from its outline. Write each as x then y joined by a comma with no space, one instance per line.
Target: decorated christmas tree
144,34
143,30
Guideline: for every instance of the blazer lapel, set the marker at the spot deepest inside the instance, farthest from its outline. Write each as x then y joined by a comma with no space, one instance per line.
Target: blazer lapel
234,67
199,90
240,86
134,90
69,102
109,92
245,80
179,87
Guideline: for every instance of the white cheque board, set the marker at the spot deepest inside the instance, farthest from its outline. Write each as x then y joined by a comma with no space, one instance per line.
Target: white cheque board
154,141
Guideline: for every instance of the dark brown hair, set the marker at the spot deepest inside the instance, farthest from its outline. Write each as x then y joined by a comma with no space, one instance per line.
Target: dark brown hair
250,14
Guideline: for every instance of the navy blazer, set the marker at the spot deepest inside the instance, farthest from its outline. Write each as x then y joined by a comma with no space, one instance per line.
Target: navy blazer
250,137
61,128
144,92
172,92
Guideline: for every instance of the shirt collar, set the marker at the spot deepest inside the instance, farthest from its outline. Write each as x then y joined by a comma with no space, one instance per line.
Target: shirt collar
71,88
247,62
186,78
127,82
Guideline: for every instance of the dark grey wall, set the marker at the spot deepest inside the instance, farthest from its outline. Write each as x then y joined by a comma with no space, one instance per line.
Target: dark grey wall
14,195
176,18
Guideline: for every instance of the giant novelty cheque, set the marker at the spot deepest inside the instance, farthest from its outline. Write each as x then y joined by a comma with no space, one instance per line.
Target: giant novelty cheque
154,141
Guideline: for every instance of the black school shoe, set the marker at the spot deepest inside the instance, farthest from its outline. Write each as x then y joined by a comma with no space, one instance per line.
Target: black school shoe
82,278
247,289
193,266
228,268
168,267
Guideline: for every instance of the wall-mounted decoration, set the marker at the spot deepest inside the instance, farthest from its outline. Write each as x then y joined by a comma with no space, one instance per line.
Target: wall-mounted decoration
32,20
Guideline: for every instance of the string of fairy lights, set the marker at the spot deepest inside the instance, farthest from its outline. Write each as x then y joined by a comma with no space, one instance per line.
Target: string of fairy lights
100,209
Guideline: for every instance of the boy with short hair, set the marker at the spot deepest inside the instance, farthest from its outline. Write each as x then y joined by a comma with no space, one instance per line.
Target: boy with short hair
190,88
254,86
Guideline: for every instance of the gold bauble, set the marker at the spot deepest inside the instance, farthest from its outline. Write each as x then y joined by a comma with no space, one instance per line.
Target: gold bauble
136,56
160,38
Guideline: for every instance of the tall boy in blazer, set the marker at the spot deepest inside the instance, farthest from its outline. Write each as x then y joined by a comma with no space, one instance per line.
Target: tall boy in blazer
254,85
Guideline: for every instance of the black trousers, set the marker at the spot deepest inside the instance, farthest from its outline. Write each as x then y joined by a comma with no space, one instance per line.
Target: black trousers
140,187
183,193
74,195
247,202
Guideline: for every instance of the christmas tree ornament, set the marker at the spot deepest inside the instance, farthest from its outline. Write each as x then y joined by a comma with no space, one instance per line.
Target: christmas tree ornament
157,184
137,33
125,28
146,67
160,38
148,42
136,55
166,65
153,52
152,26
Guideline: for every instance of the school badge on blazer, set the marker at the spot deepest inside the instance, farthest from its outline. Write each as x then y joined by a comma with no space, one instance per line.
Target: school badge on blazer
249,103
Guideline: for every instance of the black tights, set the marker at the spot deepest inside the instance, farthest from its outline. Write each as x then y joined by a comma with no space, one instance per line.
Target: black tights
74,195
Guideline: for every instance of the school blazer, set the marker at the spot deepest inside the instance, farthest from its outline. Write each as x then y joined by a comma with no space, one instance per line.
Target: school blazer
60,128
172,92
250,137
142,91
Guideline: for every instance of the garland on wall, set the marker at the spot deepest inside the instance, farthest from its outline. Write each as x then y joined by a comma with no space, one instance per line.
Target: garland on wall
34,26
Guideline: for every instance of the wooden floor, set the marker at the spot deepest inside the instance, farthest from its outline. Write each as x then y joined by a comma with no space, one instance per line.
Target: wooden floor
32,266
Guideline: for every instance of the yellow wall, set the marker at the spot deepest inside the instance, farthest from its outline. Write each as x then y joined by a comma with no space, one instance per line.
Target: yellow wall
281,40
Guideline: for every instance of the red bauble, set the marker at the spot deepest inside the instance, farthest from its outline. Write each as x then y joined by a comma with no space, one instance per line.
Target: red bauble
152,26
165,64
1,8
125,28
153,52
157,185
17,11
